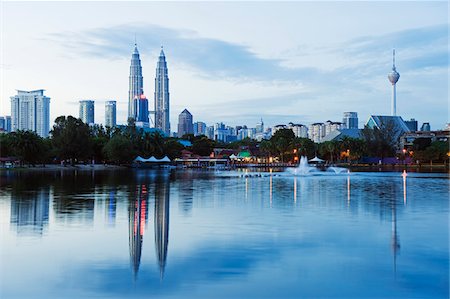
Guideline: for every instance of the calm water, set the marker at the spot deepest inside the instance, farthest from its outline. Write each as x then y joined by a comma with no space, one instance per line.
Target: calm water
193,234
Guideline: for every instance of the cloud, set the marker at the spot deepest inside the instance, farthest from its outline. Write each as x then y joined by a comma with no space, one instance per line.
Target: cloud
208,57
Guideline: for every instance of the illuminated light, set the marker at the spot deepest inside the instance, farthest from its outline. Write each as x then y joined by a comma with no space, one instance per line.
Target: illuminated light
143,97
404,174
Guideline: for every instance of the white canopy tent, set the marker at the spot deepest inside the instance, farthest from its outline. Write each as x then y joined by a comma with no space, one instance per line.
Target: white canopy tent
316,159
152,159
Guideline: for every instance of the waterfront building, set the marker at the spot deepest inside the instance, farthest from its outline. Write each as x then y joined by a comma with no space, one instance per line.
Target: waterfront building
350,120
136,88
393,78
110,114
87,111
339,134
425,127
185,125
412,124
199,128
162,117
316,132
30,110
408,138
299,130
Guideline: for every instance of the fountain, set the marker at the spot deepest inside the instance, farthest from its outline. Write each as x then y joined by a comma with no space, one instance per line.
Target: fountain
304,169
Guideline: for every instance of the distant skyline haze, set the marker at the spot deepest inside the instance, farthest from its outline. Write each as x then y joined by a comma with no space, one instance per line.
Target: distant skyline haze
233,62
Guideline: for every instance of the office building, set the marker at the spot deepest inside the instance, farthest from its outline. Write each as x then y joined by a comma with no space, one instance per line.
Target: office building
135,84
30,110
142,110
260,127
162,117
412,124
2,124
8,124
185,125
350,120
87,111
425,127
199,128
110,114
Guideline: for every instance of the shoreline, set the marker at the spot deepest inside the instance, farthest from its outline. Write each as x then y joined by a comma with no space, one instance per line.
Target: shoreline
441,168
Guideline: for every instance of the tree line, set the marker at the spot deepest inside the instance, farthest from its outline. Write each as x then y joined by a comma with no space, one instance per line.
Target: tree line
73,141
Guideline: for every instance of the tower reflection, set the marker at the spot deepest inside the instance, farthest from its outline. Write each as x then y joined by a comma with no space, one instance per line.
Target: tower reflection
162,193
137,218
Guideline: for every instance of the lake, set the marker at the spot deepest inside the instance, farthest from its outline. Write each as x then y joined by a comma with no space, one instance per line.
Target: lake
223,234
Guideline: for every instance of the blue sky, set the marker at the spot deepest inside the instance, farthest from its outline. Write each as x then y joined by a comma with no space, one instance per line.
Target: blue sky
234,62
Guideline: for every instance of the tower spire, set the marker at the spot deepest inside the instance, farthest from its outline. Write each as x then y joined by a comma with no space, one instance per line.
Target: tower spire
393,78
393,59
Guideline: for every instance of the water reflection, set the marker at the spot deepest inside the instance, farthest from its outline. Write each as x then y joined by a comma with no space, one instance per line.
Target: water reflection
137,219
30,211
110,208
235,245
162,194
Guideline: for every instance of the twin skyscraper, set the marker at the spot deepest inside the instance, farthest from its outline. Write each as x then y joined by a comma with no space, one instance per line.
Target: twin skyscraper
137,101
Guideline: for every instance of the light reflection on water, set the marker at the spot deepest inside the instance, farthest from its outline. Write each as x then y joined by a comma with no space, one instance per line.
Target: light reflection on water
204,234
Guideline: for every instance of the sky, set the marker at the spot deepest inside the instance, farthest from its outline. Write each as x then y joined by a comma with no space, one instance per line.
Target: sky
233,62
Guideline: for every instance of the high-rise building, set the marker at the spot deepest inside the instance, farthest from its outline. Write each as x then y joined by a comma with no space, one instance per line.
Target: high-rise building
299,130
8,124
87,111
412,124
393,78
331,126
136,88
316,132
199,128
162,120
30,110
142,110
260,127
185,125
350,120
110,114
2,124
210,132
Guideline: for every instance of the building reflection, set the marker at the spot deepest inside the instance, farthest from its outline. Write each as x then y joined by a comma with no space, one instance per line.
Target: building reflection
30,211
162,193
136,224
110,208
395,241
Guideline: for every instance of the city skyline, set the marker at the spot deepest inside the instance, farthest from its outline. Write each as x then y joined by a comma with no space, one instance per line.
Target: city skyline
222,74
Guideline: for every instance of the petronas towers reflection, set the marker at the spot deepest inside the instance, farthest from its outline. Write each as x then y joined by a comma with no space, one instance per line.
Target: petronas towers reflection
138,217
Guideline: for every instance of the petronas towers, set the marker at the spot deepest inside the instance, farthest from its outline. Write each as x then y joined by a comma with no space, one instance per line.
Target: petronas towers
136,96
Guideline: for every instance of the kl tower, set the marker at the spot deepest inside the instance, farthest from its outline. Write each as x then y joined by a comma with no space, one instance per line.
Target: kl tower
393,78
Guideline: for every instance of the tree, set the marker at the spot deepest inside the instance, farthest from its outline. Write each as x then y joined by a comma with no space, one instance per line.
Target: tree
6,149
282,140
306,147
381,142
119,149
71,138
28,146
172,148
203,146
